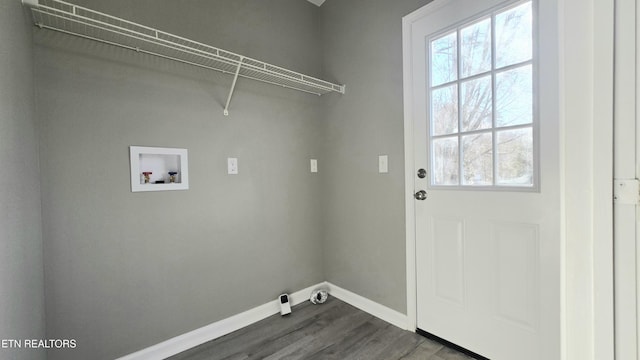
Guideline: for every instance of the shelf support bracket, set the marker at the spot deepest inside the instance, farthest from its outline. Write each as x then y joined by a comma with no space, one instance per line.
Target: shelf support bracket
233,86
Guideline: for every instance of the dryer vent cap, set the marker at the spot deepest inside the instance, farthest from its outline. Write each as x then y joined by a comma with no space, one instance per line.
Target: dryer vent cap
319,296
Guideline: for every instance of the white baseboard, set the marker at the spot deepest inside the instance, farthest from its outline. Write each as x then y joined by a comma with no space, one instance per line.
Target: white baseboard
226,326
380,311
215,330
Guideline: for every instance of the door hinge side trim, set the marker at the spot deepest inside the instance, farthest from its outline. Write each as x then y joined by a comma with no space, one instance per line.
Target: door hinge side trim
626,191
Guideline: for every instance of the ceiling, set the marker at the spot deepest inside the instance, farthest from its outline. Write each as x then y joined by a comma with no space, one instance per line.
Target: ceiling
316,2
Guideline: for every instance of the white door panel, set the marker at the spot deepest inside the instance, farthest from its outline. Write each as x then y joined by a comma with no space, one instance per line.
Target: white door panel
488,261
479,274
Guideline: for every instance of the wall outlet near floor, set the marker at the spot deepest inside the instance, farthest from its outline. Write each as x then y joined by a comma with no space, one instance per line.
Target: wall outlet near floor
285,305
232,166
383,164
314,165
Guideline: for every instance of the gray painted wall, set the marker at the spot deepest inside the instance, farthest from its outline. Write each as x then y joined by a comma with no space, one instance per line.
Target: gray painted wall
364,238
124,270
21,275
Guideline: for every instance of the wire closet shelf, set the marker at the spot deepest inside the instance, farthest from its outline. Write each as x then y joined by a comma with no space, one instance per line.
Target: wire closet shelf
89,24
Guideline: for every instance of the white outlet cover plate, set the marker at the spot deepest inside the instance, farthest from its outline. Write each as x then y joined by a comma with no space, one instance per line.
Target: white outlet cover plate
314,165
383,164
232,166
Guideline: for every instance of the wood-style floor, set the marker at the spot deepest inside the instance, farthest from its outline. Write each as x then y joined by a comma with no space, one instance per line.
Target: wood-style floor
333,330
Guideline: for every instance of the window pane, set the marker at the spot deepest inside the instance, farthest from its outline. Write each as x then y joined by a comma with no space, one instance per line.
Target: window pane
515,157
444,59
444,161
476,104
514,97
475,48
444,110
477,159
513,35
481,108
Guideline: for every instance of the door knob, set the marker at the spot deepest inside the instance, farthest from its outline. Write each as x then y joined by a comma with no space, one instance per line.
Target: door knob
420,195
422,173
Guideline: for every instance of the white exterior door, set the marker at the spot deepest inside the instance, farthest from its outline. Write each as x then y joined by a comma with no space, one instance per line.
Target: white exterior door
483,99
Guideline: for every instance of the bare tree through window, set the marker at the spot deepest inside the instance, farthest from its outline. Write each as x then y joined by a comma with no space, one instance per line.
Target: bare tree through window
481,101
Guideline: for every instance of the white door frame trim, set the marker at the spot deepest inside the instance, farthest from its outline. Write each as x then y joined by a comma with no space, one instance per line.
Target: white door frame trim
603,247
625,157
586,92
409,161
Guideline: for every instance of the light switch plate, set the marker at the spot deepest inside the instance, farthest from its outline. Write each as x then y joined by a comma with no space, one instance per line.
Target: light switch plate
383,164
232,166
314,165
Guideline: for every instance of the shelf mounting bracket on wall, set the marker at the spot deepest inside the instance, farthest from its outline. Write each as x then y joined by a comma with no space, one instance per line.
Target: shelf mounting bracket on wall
233,86
79,21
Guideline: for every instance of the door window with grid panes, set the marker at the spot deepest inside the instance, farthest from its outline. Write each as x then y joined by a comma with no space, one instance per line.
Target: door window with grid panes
481,102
